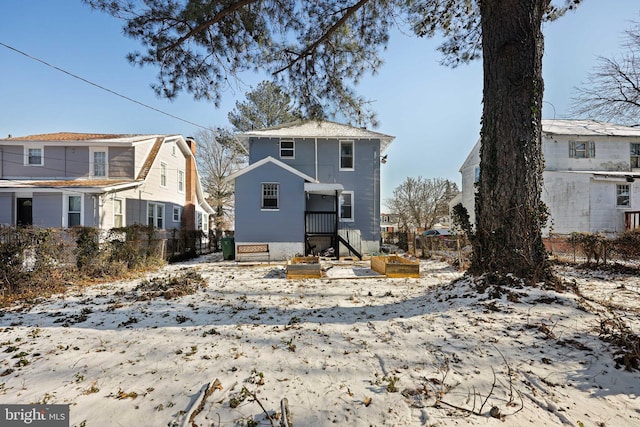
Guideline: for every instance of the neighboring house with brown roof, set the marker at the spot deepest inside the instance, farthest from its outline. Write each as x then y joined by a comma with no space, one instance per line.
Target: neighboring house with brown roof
101,180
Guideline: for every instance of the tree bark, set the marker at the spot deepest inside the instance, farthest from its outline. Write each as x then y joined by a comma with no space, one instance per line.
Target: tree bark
509,212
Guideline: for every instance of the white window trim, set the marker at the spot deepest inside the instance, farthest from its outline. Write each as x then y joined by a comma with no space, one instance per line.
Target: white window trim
122,213
177,209
293,148
262,208
352,219
353,155
93,150
65,204
163,173
182,174
155,215
628,205
589,149
28,147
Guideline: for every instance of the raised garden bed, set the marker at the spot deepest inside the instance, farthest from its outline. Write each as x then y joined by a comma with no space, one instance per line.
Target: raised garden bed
395,266
304,268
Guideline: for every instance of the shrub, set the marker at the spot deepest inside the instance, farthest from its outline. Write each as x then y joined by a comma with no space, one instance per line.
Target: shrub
593,245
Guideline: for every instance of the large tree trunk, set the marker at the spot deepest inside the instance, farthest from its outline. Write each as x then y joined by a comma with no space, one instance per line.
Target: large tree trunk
509,212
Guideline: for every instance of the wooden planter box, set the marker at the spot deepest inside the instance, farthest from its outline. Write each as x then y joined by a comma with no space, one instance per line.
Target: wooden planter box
304,268
395,266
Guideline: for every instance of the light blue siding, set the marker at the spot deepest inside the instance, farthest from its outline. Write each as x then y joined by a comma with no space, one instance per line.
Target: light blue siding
254,224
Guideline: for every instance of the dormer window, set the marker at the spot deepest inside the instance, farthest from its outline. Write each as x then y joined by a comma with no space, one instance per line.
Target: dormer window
582,149
287,149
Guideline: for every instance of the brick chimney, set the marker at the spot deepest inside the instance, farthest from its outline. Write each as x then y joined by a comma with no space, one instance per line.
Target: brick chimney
189,214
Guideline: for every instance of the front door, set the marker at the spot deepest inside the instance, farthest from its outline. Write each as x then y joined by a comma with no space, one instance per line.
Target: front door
25,212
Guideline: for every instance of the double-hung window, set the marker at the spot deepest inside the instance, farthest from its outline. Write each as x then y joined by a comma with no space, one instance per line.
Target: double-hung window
177,214
155,214
635,156
622,195
270,196
163,175
287,149
74,210
98,162
118,213
180,181
346,206
346,155
582,149
34,156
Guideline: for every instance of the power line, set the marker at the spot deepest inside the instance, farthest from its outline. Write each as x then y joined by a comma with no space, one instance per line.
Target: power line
100,86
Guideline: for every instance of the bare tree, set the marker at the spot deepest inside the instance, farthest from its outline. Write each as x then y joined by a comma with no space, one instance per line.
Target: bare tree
612,90
218,156
421,203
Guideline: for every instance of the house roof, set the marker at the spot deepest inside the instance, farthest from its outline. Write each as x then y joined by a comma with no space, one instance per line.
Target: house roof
315,129
587,128
276,162
67,137
84,185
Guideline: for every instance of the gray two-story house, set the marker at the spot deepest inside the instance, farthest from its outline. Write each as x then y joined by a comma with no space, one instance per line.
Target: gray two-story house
101,180
310,186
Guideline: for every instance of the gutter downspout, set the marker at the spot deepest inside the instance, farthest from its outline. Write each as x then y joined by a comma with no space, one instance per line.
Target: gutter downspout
316,155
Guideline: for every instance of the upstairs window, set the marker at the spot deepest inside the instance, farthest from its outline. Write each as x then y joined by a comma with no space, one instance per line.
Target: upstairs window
270,196
34,156
180,181
582,149
287,149
622,195
346,155
635,156
98,163
163,174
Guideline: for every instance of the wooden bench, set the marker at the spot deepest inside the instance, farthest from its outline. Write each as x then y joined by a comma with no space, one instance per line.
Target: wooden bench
255,249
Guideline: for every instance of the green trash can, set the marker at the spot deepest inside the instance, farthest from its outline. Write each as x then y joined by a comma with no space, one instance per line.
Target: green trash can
228,247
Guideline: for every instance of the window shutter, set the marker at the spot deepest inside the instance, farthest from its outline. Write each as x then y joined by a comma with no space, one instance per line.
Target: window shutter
572,149
592,148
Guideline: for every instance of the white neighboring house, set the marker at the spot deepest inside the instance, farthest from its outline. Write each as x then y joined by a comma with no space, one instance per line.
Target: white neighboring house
591,177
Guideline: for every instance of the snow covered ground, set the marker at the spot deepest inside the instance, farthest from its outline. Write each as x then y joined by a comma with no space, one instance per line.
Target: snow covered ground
349,349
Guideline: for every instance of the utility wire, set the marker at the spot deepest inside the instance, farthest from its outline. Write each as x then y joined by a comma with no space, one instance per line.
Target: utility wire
101,87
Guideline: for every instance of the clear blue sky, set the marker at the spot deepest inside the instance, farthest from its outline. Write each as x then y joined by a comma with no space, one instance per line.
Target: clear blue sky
433,111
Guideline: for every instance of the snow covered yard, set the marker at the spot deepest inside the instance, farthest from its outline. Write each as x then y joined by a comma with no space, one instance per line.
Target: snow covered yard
351,349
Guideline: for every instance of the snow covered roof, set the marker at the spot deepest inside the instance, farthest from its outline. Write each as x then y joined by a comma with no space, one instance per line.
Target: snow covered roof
587,128
316,129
